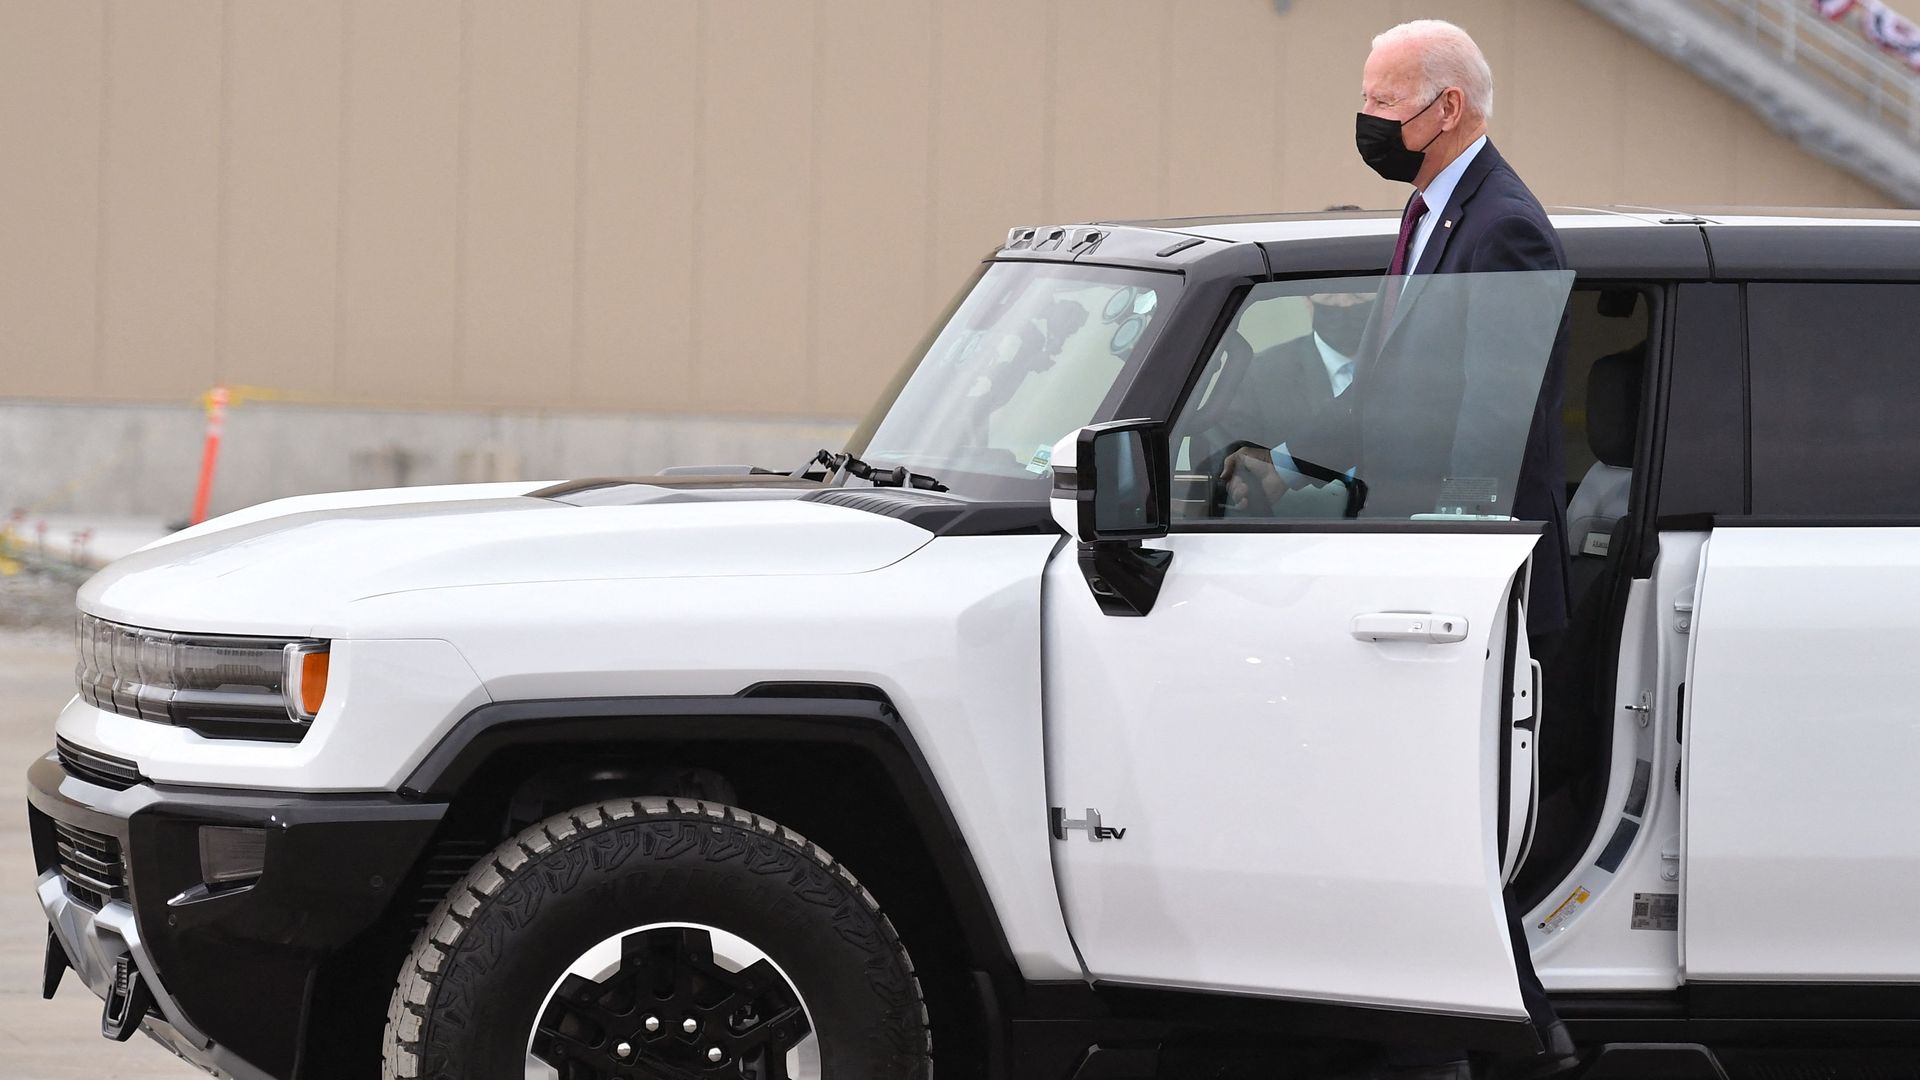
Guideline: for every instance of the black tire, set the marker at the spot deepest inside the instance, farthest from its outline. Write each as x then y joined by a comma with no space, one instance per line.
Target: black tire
467,996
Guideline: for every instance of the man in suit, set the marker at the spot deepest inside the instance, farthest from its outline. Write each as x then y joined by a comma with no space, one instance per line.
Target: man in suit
1288,387
1427,97
1428,94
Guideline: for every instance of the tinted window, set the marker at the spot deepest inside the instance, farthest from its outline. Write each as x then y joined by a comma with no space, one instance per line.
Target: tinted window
1835,372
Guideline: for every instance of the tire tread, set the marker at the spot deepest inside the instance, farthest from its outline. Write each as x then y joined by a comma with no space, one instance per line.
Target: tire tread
425,971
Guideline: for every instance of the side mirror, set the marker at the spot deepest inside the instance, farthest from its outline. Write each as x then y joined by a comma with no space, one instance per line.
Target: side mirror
1113,481
1112,486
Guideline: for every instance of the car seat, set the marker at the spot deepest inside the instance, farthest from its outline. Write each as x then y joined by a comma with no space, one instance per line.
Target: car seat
1598,504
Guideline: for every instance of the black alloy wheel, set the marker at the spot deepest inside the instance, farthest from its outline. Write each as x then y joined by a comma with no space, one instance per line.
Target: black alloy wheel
669,1008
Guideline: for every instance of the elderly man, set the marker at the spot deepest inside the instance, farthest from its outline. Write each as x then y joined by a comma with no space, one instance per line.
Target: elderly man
1427,94
1426,97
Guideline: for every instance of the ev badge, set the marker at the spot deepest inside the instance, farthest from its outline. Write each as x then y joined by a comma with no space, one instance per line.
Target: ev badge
1096,832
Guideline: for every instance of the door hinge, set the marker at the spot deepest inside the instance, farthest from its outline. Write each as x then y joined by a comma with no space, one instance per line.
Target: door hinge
1683,612
1670,859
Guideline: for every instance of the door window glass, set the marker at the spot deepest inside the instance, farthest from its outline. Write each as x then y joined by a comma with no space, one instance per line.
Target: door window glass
1369,397
1609,333
1834,385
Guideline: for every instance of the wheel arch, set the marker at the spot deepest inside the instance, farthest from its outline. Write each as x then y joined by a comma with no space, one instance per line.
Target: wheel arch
869,797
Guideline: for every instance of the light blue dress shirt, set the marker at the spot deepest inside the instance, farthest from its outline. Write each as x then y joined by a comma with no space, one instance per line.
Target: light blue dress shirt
1339,365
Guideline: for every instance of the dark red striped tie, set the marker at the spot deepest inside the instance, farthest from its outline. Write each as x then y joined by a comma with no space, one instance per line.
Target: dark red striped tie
1409,221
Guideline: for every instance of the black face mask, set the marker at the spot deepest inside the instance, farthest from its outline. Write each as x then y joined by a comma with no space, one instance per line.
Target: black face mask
1342,327
1384,147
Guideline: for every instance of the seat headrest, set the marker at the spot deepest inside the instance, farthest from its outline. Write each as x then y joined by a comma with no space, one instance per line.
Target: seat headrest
1613,405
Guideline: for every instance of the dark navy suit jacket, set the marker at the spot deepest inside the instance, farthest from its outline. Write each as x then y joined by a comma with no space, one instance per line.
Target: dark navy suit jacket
1444,386
1497,225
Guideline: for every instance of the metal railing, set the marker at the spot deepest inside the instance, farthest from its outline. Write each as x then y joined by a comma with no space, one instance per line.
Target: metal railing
1834,54
1820,83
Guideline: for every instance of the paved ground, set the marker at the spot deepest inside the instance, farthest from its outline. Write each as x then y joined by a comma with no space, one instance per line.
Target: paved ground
58,1039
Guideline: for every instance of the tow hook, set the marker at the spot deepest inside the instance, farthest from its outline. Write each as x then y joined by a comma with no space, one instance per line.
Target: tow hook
128,1001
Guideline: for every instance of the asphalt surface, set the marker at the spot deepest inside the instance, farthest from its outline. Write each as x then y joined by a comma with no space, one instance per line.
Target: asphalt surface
58,1039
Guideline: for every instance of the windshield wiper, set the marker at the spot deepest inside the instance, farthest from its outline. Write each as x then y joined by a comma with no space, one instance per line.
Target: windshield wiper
898,476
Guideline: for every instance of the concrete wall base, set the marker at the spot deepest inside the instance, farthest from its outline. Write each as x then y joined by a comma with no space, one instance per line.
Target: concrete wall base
144,460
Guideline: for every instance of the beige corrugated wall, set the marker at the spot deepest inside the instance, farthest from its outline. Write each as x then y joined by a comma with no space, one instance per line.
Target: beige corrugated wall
718,206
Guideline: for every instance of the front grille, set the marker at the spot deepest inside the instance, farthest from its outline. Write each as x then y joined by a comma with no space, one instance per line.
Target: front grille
91,864
97,768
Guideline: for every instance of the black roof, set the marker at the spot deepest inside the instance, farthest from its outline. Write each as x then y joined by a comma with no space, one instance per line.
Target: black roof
1680,242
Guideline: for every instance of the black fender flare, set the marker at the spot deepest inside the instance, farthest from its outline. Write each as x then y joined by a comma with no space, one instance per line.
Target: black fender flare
843,715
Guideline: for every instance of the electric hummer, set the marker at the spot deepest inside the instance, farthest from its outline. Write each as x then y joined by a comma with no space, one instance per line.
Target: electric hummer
1013,736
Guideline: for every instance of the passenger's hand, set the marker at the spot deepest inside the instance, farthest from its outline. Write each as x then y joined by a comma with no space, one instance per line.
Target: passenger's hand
1253,484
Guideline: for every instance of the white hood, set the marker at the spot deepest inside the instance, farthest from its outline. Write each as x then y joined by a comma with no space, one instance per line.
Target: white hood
298,572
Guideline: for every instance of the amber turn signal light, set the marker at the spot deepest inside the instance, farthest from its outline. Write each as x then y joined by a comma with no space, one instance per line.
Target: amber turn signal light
306,683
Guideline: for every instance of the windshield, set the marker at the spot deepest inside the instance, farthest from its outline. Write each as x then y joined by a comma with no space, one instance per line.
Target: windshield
1033,352
1370,397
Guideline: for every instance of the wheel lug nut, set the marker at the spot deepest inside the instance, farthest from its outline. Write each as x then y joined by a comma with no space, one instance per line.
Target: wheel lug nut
690,1025
653,1024
714,1055
624,1050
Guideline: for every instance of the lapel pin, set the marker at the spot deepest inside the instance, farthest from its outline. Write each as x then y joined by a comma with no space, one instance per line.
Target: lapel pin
1447,224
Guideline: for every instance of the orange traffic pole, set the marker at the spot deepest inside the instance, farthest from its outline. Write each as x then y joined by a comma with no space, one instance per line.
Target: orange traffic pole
216,423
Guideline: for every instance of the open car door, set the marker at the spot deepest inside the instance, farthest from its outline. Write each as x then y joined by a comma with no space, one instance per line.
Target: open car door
1289,775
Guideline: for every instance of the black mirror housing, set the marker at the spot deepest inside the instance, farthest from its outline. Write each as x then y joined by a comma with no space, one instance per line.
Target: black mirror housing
1120,481
1112,488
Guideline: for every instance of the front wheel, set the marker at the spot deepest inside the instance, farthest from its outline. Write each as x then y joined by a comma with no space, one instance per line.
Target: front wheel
657,938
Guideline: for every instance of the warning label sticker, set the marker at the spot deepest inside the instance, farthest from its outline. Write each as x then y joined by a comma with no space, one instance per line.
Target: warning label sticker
1571,906
1656,911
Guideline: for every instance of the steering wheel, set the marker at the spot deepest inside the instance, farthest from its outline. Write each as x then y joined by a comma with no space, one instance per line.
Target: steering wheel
1257,502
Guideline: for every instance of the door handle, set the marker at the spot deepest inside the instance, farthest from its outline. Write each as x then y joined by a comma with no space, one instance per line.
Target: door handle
1424,626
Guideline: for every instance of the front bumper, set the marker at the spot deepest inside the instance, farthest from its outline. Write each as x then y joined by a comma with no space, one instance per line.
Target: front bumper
232,971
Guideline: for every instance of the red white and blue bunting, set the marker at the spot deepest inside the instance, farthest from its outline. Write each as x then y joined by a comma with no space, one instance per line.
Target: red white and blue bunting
1882,25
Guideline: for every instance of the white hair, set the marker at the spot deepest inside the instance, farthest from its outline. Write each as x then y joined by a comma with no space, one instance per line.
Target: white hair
1448,57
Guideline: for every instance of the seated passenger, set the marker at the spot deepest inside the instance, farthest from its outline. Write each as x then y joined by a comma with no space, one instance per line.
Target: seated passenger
1290,385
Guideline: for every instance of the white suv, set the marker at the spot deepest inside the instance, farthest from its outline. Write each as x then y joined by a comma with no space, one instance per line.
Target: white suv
1126,769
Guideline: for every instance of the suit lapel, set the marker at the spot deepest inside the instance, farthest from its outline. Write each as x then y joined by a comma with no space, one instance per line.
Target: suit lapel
1451,216
1313,371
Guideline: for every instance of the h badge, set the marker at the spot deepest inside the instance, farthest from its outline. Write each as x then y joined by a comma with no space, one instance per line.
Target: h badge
1095,831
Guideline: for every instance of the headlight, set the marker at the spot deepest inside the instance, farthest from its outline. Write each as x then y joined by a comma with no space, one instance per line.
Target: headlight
221,687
